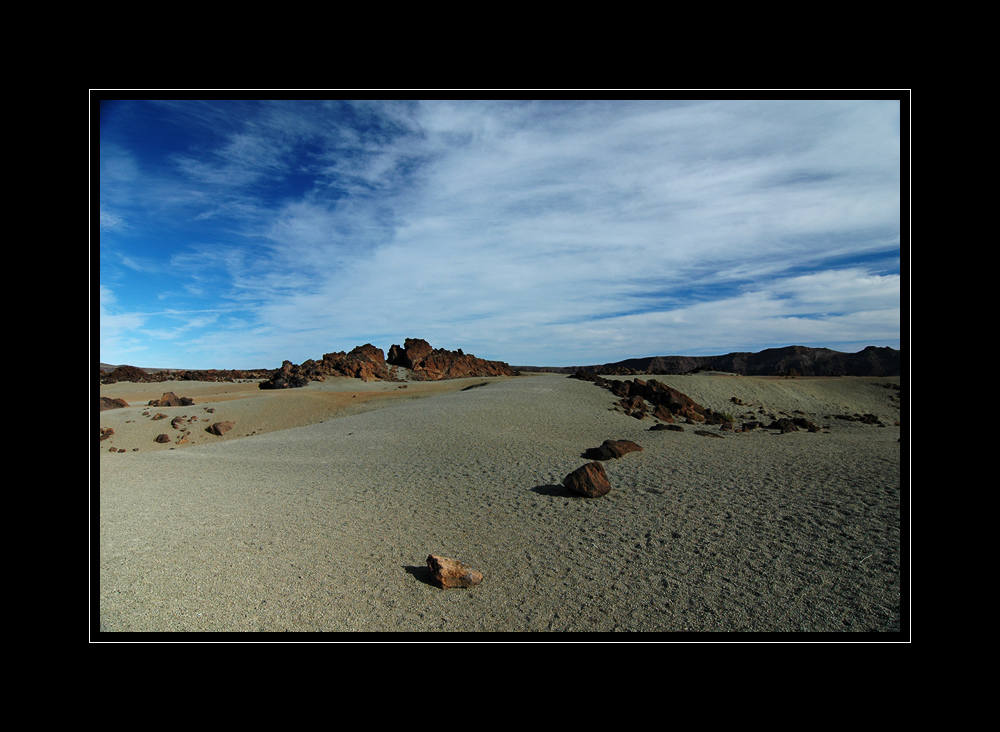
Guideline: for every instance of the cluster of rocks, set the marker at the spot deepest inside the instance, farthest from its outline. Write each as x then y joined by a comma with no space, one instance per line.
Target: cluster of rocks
369,363
641,398
142,376
169,399
434,364
591,479
364,362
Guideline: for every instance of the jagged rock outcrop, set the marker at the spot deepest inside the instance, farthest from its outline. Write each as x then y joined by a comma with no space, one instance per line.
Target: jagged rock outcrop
667,403
364,362
434,364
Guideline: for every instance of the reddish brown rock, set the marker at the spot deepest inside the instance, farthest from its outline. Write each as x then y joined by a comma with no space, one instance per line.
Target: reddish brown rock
434,364
159,415
220,428
451,573
588,480
162,438
611,449
169,399
109,403
106,432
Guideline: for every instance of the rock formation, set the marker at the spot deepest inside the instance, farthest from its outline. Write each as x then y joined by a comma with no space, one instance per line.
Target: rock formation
667,403
364,362
434,364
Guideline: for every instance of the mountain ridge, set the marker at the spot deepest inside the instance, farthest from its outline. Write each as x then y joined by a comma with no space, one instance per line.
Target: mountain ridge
781,361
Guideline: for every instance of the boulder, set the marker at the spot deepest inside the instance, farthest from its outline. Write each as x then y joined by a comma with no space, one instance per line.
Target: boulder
109,403
612,449
451,573
588,480
169,399
220,428
162,438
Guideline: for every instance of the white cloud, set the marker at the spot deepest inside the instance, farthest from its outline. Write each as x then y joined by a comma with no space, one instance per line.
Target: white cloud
541,229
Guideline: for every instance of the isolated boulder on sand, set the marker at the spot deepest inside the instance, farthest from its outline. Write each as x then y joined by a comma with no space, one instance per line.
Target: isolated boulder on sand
220,428
169,399
588,480
109,403
451,573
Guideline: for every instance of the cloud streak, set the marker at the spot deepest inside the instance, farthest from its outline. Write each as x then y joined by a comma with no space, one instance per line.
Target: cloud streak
543,233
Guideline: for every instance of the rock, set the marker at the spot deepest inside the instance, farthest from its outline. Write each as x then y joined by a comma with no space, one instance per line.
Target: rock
169,399
588,480
434,364
163,438
673,427
612,449
159,415
451,573
790,424
109,403
177,423
106,432
220,428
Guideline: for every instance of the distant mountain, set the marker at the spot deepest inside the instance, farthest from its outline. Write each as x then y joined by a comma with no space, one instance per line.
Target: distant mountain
805,361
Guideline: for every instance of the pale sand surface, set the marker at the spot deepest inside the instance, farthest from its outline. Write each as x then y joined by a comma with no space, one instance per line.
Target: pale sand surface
327,526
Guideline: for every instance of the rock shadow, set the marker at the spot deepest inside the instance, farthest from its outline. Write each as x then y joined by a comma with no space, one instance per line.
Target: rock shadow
559,491
421,572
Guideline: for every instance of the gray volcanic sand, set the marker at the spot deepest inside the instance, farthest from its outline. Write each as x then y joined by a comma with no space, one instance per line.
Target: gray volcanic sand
327,526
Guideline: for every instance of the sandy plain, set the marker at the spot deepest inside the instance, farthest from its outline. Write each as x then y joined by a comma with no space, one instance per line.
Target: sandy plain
317,511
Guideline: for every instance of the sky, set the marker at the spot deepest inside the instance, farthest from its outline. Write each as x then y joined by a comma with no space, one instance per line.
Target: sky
238,234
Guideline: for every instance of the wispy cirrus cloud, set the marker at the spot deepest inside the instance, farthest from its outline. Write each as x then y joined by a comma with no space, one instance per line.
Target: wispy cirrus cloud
534,232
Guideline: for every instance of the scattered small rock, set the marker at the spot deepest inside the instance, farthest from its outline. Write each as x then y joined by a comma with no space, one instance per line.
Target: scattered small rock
220,428
451,573
588,480
106,432
159,415
162,438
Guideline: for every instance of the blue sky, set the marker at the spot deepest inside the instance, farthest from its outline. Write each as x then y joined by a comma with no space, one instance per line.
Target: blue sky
237,234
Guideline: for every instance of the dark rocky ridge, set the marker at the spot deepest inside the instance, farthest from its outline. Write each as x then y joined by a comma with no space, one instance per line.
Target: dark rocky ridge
790,360
370,364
